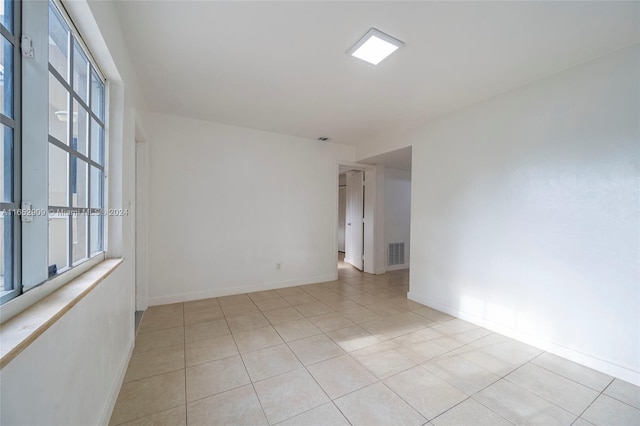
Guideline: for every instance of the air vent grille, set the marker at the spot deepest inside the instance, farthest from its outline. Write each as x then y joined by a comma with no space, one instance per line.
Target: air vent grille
396,254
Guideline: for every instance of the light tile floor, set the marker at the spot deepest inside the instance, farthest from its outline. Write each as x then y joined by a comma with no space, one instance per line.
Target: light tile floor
353,351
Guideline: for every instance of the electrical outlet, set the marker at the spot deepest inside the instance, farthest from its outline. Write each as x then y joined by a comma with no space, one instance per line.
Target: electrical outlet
278,266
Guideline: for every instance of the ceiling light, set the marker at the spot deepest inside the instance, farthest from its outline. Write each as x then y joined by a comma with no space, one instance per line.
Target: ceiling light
375,46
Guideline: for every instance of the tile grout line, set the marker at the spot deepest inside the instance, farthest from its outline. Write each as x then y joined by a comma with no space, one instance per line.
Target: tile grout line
405,401
503,377
569,378
277,375
592,402
148,415
441,378
255,392
305,367
483,388
545,399
154,375
333,401
218,393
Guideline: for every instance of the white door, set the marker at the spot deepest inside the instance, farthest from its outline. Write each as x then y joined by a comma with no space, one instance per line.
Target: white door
355,226
342,216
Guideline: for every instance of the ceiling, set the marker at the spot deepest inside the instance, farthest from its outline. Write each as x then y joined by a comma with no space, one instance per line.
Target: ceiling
282,67
399,159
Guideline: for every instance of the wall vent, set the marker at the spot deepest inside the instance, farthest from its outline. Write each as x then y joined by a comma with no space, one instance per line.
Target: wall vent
396,254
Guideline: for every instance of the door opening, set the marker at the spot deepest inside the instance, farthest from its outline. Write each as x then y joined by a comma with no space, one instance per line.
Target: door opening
354,231
342,212
359,217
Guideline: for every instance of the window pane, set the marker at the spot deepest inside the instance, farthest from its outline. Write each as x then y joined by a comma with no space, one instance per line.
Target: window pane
58,240
58,177
80,128
80,70
97,96
6,164
96,188
6,252
58,110
79,236
6,14
79,182
97,142
96,221
6,78
58,42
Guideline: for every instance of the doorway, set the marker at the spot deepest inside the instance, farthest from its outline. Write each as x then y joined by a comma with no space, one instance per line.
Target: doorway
140,233
386,204
355,217
141,241
394,198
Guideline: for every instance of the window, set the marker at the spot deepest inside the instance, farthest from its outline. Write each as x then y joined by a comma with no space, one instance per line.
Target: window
9,149
61,148
76,145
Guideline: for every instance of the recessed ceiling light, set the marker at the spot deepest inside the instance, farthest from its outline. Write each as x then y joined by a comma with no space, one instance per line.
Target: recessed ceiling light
375,46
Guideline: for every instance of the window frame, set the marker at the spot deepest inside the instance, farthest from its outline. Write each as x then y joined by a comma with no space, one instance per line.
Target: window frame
74,155
31,156
16,124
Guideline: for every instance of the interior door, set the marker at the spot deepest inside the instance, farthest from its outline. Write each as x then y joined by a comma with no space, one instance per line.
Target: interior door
354,237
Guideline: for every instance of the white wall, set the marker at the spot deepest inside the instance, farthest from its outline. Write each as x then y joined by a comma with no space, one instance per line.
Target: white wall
525,214
72,373
67,375
397,212
228,203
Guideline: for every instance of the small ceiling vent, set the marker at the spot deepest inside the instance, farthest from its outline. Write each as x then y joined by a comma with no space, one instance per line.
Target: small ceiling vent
324,138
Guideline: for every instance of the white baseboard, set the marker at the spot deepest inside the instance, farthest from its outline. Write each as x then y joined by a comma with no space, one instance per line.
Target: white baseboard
228,291
587,360
117,384
398,267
